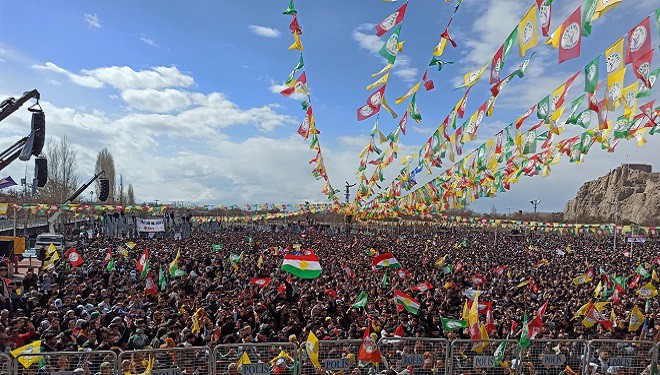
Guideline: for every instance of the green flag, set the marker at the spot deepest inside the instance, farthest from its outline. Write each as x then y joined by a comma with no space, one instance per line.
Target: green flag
290,9
111,264
582,119
543,108
448,269
391,46
572,119
642,271
250,240
293,72
414,111
361,300
145,270
499,353
588,13
644,91
216,247
509,43
524,335
439,63
453,324
384,282
591,75
162,283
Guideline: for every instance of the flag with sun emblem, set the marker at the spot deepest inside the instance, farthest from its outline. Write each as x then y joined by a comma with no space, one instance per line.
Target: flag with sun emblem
409,303
386,260
571,37
391,46
527,37
639,41
303,266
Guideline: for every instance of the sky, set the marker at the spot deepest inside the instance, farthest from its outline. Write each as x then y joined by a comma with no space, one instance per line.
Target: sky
185,94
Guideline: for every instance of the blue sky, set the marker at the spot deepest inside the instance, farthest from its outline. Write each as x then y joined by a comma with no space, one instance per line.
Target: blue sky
184,93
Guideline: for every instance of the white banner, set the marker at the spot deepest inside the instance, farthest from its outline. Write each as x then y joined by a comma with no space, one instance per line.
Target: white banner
150,225
636,239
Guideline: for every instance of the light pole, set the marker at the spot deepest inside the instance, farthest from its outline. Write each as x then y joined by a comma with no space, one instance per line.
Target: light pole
535,202
616,208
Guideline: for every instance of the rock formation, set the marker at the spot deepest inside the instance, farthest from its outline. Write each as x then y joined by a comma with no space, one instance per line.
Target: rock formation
633,187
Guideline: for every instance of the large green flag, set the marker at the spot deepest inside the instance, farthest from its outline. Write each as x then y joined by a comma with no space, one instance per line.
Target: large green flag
384,282
216,247
499,353
391,46
361,300
290,9
591,75
414,111
644,91
453,324
162,283
111,264
524,335
509,43
642,271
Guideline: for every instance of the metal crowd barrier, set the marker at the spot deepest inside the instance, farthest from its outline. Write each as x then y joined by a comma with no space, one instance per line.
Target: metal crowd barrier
551,357
418,355
88,362
622,357
5,364
257,358
484,357
167,361
334,356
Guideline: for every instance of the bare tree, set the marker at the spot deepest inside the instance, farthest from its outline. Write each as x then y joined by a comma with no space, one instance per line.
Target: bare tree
106,162
130,195
62,171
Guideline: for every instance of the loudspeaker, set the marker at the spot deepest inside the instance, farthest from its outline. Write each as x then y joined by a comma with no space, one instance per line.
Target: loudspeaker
41,171
39,131
104,189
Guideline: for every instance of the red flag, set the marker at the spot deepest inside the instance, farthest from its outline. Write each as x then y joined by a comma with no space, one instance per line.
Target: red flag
567,85
368,349
446,35
635,281
392,20
496,65
281,288
541,312
571,37
647,109
402,123
639,41
262,282
428,84
149,287
373,105
460,111
524,117
403,273
294,26
349,272
657,260
478,280
596,316
143,260
535,326
399,332
642,67
490,322
545,12
423,287
513,326
73,257
499,270
108,256
299,82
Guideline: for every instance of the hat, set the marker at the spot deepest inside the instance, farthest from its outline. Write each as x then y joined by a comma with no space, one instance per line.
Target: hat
94,314
105,364
613,369
58,303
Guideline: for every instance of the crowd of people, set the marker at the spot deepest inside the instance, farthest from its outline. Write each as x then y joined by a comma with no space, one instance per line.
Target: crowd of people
210,301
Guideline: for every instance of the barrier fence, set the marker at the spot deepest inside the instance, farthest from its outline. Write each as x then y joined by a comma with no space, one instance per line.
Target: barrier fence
415,355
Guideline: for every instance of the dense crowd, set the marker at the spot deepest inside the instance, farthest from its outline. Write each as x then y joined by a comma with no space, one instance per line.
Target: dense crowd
95,307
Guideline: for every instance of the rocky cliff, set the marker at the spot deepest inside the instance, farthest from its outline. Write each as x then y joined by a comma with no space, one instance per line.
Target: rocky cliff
634,188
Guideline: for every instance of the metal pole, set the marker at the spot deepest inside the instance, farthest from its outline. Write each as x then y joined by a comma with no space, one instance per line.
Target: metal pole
14,221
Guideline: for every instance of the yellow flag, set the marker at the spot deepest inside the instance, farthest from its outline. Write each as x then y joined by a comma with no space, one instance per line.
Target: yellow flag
400,46
629,99
25,359
464,314
385,69
473,317
195,320
655,277
555,38
636,319
130,245
297,44
469,79
244,360
282,354
148,370
387,107
409,93
312,347
260,261
614,89
604,6
440,48
554,116
582,310
614,60
51,249
522,284
599,288
647,291
55,256
379,82
581,279
527,37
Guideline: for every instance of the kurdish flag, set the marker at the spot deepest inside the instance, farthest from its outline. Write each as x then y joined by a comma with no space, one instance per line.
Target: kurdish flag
303,266
410,304
385,260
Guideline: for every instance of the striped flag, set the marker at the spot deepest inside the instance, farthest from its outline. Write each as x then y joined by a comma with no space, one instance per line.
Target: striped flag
303,266
409,303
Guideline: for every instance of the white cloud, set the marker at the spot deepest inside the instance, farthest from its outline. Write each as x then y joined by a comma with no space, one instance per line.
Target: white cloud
164,101
266,32
276,89
407,74
92,21
53,82
425,130
148,41
370,42
124,77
